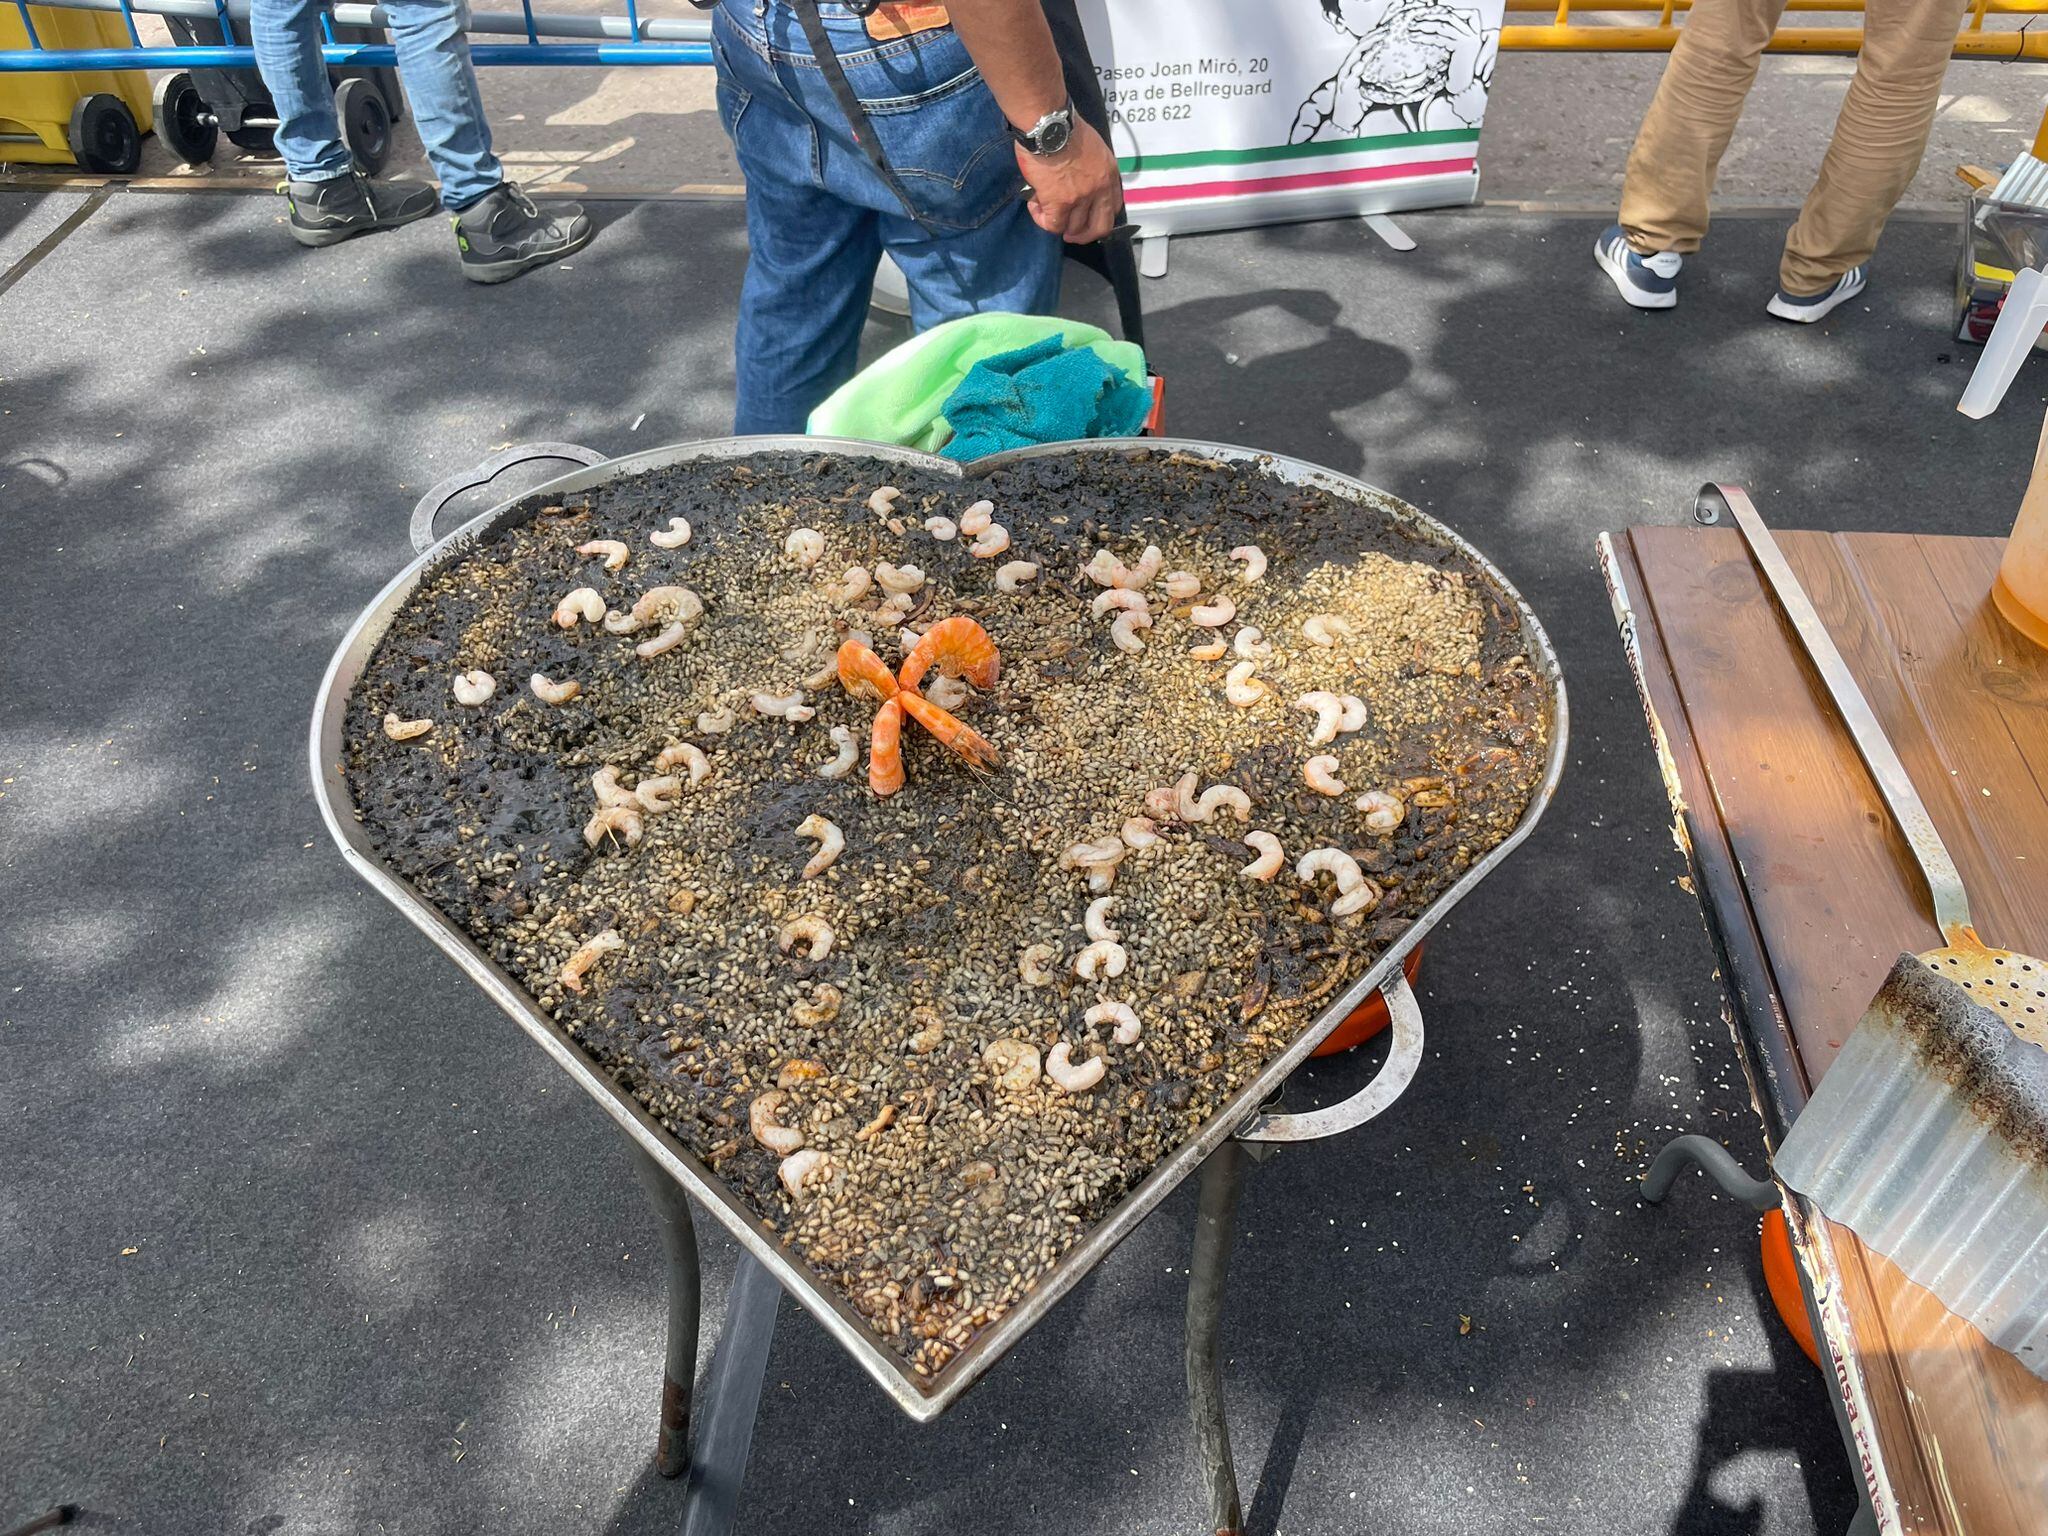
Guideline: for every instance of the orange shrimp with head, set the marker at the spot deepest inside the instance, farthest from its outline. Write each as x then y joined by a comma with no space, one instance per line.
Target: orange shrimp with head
960,647
885,750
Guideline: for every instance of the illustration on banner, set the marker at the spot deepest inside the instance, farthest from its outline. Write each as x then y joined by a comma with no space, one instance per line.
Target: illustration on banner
1423,63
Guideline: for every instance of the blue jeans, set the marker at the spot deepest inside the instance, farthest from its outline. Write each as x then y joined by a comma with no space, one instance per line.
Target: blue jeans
819,215
440,82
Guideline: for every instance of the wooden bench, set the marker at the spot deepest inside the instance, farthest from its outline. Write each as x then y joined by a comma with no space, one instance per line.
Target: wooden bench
1810,894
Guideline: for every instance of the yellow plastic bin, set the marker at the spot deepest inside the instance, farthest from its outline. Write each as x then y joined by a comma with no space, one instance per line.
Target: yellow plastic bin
94,119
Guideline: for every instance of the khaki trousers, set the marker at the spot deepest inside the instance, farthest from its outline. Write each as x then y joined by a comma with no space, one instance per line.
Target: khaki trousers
1879,137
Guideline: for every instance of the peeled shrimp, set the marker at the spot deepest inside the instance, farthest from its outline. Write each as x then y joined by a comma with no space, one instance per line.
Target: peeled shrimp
1271,856
1096,860
1031,965
931,1032
804,547
849,754
676,605
605,785
1355,893
1213,615
1251,643
553,693
821,1007
1141,574
1119,597
1102,957
1254,559
1326,629
717,720
1013,1064
612,550
884,1118
624,820
1383,811
960,648
831,843
851,587
1320,772
405,730
473,688
1066,1076
902,580
946,692
978,517
682,754
944,529
799,1168
1209,650
990,542
675,536
1185,805
1105,570
1128,1025
768,1129
1095,923
619,622
1355,715
885,749
1239,686
588,954
1328,710
583,603
667,640
1219,797
1140,832
1124,632
656,793
782,706
883,500
812,931
1163,801
1181,585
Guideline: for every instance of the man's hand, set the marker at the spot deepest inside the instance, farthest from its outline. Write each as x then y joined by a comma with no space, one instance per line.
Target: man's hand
1075,193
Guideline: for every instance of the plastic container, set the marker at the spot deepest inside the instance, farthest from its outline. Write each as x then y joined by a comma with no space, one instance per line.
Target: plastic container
94,119
2021,589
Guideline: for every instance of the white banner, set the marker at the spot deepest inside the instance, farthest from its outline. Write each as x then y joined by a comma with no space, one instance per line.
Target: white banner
1228,113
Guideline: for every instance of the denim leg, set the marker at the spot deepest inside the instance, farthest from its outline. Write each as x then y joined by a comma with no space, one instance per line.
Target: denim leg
1009,263
447,106
286,37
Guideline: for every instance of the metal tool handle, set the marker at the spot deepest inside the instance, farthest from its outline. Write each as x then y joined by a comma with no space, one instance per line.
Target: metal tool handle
1944,883
1387,1085
429,506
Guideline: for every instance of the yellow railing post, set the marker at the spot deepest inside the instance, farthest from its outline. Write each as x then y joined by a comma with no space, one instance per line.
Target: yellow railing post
1562,35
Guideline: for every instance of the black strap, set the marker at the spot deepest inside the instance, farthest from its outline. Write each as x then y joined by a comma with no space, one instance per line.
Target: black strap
857,120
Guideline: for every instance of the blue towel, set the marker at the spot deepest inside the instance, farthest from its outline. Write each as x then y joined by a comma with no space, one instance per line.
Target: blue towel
1043,393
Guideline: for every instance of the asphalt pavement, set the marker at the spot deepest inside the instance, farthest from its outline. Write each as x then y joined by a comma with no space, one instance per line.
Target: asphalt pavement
297,1234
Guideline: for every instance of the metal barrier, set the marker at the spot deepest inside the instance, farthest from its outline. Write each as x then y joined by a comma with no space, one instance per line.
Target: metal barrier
641,41
1563,35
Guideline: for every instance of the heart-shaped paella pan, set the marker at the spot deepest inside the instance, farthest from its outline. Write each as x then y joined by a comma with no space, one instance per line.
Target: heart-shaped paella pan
933,856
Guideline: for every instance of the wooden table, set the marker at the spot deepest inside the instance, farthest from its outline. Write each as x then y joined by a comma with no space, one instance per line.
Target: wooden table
1810,894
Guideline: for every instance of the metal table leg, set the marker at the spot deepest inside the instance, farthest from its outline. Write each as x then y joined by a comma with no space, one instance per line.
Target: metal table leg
1215,1225
679,1238
732,1398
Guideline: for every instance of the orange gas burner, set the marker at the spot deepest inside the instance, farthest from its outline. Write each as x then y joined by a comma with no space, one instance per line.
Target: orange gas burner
1369,1017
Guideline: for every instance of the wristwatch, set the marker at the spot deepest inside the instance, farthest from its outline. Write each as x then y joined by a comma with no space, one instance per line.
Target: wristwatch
1050,134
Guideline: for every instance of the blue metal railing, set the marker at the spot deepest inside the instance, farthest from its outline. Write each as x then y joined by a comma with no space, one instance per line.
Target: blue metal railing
626,40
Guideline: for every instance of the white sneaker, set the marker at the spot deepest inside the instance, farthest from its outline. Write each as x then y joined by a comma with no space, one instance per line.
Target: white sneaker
1807,310
1647,282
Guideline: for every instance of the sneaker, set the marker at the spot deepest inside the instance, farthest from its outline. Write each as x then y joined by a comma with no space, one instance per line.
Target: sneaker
503,234
351,204
1804,311
1647,282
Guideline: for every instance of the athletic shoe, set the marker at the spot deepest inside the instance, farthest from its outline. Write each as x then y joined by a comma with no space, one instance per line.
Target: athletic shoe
1647,282
1804,311
503,234
342,207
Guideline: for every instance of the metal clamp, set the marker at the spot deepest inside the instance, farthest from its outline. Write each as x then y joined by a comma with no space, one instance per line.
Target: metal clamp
1388,1084
429,506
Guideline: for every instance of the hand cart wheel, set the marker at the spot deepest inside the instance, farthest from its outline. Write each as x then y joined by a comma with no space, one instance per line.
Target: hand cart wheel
188,129
365,123
104,137
256,138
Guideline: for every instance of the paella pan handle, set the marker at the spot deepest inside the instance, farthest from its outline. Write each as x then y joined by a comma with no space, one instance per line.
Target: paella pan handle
1388,1084
429,506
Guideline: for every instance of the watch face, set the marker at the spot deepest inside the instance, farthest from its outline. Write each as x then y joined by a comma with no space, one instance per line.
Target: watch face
1054,134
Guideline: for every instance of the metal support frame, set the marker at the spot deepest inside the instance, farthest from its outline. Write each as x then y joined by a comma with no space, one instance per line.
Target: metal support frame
1215,1227
1731,1178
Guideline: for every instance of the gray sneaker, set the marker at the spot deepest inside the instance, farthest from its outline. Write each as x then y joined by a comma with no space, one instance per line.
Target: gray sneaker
327,212
504,234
